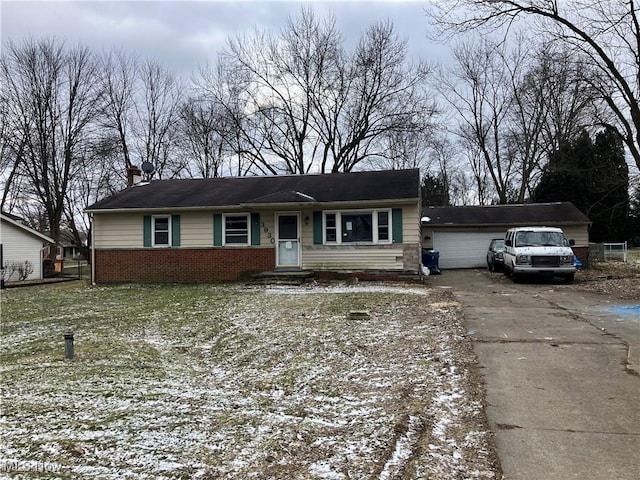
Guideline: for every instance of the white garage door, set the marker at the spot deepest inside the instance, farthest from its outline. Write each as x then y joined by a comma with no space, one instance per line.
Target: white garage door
463,249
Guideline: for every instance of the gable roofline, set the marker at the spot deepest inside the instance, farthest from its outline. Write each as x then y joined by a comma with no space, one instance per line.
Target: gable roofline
506,215
11,220
277,190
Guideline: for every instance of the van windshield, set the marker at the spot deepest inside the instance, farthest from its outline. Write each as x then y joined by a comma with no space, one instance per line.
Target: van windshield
546,239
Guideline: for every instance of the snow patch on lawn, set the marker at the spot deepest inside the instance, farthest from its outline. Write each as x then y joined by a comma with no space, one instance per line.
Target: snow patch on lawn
226,383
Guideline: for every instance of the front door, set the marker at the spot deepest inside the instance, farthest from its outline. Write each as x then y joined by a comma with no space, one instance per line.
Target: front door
288,240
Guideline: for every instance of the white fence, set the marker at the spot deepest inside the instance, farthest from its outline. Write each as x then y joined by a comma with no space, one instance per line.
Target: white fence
615,251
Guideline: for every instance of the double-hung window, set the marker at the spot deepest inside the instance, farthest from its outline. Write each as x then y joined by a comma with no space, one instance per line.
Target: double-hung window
383,226
161,230
330,228
236,229
372,226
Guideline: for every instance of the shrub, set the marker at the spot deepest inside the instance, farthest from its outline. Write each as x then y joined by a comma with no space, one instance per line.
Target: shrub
21,269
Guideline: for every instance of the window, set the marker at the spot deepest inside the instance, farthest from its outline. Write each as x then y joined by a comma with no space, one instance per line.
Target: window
331,229
383,226
357,227
161,231
236,229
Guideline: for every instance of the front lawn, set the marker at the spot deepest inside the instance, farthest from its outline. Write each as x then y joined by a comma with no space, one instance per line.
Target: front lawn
235,382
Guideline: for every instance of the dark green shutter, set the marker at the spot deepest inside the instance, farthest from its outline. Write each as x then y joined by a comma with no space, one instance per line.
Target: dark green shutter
175,230
255,229
317,228
396,219
217,229
146,230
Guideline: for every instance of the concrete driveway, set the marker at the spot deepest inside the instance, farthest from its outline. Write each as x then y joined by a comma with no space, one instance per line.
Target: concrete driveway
561,373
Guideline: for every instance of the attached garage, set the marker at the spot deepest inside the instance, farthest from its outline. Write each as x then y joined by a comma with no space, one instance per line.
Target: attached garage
462,235
466,249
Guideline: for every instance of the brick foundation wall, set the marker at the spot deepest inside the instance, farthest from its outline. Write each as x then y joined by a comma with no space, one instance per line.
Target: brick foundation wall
181,265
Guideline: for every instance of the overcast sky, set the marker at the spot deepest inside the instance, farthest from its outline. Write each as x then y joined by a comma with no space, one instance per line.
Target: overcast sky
185,34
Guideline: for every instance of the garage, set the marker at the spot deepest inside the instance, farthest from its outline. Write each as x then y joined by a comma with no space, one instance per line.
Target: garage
464,249
462,234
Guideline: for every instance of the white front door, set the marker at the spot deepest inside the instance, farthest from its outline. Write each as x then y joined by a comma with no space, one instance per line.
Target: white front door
288,240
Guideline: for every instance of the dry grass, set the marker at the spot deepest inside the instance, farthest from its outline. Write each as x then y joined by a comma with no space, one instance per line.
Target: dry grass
613,278
220,382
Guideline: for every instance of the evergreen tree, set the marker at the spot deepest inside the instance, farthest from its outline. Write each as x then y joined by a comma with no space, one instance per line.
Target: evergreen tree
435,191
634,219
595,178
610,191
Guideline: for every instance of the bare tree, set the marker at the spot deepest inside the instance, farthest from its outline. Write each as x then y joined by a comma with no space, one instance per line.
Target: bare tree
553,101
384,99
157,113
140,110
99,175
516,105
224,91
283,75
215,124
201,139
606,31
478,88
404,150
118,82
305,104
51,102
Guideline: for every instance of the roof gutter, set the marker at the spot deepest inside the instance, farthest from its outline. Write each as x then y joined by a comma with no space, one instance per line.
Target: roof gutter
261,206
507,225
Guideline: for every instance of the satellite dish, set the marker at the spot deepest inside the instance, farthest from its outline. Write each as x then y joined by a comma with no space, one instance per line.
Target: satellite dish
148,168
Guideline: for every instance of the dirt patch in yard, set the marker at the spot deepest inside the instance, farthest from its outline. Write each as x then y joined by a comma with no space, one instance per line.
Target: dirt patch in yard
234,382
617,280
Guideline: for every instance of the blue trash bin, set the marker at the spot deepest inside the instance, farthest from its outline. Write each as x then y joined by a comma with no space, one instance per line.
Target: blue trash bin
430,259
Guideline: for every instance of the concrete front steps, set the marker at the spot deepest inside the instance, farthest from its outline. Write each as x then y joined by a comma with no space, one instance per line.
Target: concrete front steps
283,277
300,277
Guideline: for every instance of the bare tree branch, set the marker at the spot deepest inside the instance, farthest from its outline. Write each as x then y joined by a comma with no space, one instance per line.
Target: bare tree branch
606,30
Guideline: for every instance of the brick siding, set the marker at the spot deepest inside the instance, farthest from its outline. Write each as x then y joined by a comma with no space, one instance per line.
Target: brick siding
181,265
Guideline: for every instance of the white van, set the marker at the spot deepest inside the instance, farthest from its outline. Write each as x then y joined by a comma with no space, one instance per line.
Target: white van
538,251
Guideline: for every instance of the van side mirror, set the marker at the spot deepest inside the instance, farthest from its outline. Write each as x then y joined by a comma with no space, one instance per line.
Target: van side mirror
572,242
508,243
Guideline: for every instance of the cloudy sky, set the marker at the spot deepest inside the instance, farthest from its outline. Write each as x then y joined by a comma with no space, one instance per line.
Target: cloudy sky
184,34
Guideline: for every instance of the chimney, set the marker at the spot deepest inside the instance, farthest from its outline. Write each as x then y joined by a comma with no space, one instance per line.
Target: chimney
134,176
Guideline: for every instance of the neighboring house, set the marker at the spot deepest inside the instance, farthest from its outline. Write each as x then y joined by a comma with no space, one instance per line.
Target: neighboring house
462,234
71,251
225,229
20,244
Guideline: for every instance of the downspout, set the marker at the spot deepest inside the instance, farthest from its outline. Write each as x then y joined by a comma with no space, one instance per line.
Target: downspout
93,250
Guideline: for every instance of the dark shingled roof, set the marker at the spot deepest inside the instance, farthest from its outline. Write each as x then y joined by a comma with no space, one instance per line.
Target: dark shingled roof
295,189
521,214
